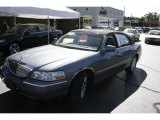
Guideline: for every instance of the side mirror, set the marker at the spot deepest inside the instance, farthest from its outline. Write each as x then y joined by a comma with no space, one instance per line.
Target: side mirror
54,41
109,48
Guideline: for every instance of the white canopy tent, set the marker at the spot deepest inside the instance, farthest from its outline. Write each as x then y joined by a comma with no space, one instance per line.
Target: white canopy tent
40,13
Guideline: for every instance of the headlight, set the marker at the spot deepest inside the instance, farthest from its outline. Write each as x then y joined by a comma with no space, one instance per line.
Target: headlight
2,41
48,76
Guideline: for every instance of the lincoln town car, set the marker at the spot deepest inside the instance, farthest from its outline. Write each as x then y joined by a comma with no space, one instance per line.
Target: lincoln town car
69,67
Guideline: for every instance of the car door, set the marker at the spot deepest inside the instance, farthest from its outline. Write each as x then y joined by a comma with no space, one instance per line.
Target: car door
29,37
125,50
110,61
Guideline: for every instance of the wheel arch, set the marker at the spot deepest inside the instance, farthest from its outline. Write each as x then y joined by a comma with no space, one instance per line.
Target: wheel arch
89,71
18,42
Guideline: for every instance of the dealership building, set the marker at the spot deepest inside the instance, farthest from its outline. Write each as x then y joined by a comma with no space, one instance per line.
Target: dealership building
100,16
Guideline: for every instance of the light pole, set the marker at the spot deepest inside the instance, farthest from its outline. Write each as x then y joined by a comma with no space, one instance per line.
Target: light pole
159,21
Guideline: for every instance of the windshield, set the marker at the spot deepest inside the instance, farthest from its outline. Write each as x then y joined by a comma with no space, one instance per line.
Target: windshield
18,29
129,31
154,33
81,40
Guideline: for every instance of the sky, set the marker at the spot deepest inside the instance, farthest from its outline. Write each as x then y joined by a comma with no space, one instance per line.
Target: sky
136,8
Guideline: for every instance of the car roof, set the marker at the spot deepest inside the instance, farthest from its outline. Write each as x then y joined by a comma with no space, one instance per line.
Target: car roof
130,29
154,31
97,31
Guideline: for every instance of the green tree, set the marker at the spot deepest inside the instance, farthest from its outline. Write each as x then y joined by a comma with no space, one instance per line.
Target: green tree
152,18
141,21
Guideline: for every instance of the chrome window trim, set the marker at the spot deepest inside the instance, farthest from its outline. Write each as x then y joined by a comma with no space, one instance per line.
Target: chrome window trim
113,66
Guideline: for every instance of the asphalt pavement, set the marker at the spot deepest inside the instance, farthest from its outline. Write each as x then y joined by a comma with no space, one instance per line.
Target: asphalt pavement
121,93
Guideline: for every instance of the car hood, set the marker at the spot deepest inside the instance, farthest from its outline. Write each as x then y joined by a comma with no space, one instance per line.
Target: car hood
41,56
152,36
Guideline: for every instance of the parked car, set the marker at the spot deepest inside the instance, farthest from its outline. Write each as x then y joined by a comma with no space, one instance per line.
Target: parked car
24,36
153,37
146,29
78,60
140,30
133,33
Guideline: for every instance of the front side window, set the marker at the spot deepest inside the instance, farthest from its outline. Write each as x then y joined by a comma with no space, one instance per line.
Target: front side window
31,30
122,40
111,40
80,40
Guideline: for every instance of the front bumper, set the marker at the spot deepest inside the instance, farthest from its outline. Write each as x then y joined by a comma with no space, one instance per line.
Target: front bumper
34,88
152,41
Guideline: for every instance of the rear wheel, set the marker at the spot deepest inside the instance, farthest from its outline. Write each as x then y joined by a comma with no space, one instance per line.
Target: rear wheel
14,48
132,66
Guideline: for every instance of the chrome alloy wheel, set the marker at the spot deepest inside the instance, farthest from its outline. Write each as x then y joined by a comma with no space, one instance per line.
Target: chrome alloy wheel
14,48
84,86
133,65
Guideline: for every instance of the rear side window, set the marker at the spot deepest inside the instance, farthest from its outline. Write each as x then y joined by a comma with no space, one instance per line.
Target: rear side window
122,40
42,28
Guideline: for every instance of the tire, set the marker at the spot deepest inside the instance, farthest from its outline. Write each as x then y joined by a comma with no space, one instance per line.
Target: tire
137,39
14,48
79,88
132,66
146,42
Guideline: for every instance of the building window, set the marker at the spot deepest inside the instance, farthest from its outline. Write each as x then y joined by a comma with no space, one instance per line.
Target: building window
110,11
86,9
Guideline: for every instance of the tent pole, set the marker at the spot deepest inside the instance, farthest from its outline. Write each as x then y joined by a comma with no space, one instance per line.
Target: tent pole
79,22
48,28
15,20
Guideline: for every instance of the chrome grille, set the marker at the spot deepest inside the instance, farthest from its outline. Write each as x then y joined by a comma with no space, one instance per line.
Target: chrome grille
19,69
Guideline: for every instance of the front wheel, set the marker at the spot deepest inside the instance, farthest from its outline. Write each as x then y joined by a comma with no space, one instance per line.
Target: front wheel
79,88
132,66
146,42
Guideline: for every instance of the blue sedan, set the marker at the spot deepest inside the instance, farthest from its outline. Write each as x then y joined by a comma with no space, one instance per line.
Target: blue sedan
78,60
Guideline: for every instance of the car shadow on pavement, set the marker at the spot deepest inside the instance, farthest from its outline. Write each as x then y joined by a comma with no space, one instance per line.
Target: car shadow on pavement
103,98
108,95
